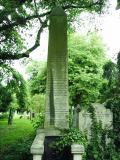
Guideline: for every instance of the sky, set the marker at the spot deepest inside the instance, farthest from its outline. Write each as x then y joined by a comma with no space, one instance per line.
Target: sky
110,32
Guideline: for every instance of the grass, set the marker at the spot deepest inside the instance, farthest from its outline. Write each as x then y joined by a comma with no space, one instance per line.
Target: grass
15,140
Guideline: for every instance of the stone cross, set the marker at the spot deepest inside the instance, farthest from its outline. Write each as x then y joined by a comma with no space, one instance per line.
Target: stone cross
57,72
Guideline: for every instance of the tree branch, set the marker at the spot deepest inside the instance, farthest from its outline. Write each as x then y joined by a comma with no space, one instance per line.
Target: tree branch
11,56
79,6
3,40
22,21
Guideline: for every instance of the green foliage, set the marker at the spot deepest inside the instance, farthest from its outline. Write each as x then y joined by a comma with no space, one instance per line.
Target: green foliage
109,70
85,70
21,151
114,105
5,98
3,116
16,140
95,147
101,145
38,121
12,85
108,88
111,97
11,40
69,137
19,16
37,86
37,103
118,4
83,4
86,58
37,77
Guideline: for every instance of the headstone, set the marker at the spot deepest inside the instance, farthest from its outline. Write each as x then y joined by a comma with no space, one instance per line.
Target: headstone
57,72
102,114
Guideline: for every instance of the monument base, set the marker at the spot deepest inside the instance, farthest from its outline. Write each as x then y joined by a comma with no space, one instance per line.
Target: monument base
42,148
52,153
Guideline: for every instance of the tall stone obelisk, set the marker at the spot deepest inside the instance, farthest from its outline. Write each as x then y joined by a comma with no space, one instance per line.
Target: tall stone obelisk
57,109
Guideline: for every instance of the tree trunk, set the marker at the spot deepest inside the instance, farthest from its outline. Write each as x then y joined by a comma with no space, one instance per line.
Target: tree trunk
10,117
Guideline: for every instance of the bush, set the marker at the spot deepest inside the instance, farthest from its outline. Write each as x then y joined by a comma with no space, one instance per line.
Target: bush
20,150
38,121
4,116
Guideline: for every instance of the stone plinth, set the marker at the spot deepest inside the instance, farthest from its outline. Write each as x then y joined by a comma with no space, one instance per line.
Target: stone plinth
57,72
77,151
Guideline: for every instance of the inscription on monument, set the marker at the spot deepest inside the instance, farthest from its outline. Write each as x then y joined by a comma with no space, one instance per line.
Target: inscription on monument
102,114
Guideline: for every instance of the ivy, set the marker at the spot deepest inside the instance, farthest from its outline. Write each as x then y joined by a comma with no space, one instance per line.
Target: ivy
101,145
69,137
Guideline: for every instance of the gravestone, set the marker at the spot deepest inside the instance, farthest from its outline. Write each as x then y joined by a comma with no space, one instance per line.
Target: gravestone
102,114
57,110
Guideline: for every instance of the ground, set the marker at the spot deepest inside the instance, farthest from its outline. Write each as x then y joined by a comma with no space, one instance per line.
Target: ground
15,140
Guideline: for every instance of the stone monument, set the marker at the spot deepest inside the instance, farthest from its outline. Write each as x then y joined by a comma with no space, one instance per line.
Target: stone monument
57,109
57,72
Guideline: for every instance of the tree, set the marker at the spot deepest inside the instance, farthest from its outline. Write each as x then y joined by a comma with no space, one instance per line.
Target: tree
37,108
37,77
12,107
5,98
22,15
37,103
86,58
118,4
111,97
12,85
108,88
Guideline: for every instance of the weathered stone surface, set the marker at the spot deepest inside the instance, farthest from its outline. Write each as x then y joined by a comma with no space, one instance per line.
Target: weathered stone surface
37,157
77,151
57,72
102,114
37,147
77,148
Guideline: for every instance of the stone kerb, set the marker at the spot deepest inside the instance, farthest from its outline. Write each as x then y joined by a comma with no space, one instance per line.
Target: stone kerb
37,148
